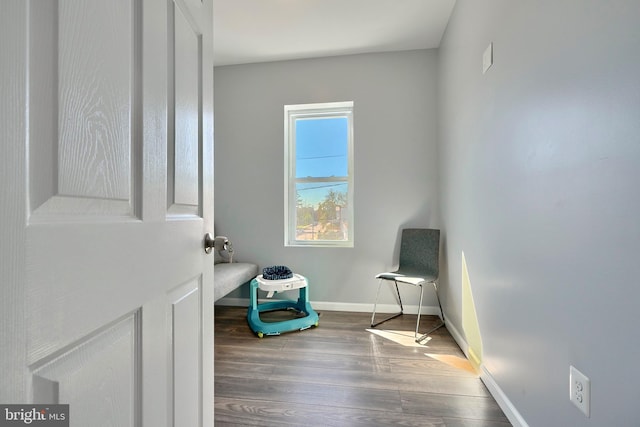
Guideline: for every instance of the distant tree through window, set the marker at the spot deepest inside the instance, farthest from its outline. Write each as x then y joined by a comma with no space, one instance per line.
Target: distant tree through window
319,174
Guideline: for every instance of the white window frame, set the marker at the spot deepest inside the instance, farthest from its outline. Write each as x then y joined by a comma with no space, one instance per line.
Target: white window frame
320,110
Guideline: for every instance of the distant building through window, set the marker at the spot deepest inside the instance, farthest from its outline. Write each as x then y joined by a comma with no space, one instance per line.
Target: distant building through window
319,174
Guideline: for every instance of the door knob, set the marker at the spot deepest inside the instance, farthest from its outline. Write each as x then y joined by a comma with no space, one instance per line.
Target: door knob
209,243
218,243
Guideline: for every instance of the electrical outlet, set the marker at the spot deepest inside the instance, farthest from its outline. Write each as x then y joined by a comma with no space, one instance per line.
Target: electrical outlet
580,390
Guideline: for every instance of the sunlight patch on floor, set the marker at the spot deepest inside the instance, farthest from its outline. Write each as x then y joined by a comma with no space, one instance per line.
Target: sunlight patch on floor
405,338
454,361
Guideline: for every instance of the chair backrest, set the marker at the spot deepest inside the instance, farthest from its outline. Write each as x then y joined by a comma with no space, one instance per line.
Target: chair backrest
420,252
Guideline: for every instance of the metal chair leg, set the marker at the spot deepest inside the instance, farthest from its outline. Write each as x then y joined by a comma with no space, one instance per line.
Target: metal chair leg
423,336
373,325
435,286
375,303
419,312
439,325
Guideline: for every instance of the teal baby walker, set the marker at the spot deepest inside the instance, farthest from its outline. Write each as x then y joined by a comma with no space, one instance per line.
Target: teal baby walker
278,279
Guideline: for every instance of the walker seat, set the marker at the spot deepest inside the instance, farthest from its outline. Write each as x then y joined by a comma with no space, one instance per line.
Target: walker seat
302,306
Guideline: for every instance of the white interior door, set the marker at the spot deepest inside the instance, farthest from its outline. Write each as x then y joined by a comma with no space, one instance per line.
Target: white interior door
107,170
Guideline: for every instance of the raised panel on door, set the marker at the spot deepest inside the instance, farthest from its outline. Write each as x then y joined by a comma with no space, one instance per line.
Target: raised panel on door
84,130
185,134
185,316
106,364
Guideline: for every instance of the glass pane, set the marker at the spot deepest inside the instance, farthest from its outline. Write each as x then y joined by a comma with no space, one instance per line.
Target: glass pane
322,211
321,147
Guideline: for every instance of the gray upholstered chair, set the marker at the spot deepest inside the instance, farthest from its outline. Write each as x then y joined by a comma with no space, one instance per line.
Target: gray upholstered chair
418,266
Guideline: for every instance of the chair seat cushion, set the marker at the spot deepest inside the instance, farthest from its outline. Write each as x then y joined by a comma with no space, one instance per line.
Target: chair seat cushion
405,278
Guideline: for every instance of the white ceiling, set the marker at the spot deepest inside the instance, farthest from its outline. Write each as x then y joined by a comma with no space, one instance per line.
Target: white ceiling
247,31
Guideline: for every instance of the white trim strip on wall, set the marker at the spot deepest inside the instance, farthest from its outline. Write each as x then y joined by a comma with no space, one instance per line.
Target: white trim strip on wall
503,401
494,389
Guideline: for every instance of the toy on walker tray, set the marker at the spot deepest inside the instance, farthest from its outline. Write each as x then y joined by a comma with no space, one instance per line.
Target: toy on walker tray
278,279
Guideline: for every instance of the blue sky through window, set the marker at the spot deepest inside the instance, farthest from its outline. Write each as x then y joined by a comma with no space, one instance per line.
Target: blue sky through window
321,151
321,147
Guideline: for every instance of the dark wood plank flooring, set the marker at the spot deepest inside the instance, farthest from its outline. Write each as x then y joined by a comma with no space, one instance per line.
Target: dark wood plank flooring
338,374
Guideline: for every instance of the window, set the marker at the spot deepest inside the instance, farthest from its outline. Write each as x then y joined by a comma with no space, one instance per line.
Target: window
319,174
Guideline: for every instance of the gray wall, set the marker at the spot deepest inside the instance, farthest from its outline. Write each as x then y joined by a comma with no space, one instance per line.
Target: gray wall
395,112
539,188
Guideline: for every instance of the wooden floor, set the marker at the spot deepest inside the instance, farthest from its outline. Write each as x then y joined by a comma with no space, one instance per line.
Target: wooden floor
339,374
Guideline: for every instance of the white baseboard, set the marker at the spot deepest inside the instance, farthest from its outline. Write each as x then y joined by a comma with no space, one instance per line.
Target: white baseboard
343,306
494,389
503,401
457,337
